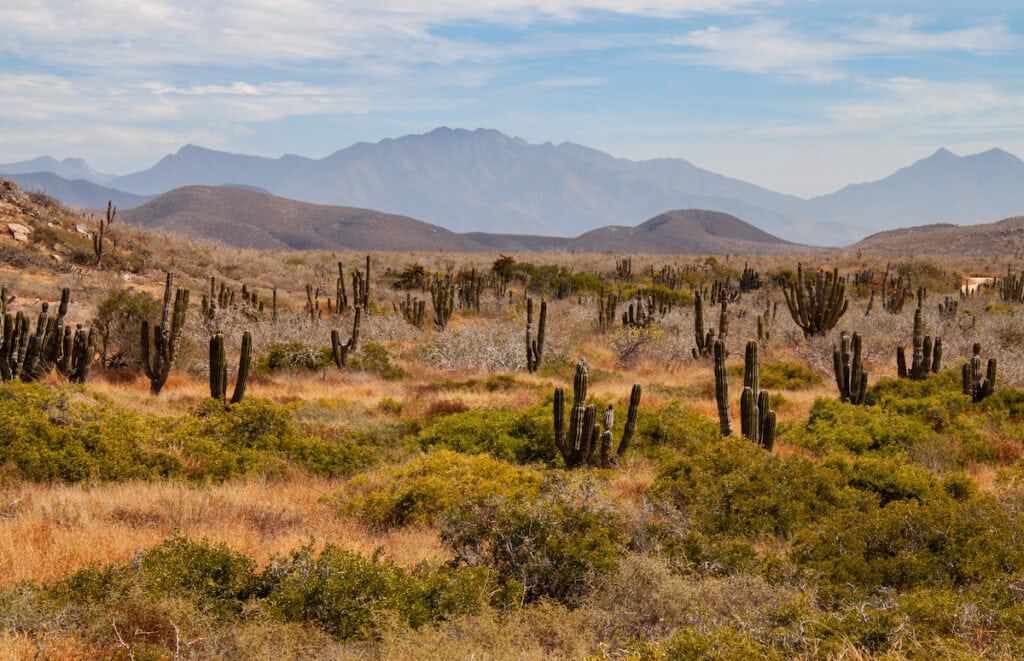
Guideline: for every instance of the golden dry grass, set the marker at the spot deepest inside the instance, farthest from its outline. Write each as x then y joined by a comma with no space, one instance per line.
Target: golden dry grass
50,531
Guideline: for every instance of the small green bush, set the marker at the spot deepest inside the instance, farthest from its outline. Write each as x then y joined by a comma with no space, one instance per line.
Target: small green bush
290,355
347,594
556,546
375,358
521,436
433,486
780,376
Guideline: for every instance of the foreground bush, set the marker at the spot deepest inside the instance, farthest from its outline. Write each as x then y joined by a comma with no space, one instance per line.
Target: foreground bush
70,435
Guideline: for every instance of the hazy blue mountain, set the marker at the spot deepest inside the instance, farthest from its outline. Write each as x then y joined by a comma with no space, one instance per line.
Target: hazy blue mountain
482,181
69,168
942,188
77,192
485,181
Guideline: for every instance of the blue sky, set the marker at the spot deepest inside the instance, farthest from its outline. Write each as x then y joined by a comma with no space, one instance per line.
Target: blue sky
801,97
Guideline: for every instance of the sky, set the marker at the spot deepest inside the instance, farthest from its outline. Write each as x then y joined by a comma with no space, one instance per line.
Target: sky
802,97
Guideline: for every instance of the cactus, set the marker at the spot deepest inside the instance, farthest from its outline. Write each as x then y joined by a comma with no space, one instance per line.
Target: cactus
927,353
976,384
97,238
219,368
606,304
579,444
535,346
851,378
412,310
722,389
442,295
160,348
817,303
631,416
757,418
575,448
340,351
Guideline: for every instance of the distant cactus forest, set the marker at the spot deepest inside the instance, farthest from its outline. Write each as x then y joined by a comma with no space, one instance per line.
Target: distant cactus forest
211,452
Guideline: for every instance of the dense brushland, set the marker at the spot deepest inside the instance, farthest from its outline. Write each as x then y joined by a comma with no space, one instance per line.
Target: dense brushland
415,503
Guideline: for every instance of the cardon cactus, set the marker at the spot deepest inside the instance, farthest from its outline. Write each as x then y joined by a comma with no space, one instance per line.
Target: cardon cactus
722,389
160,347
579,444
851,378
340,351
219,368
978,384
927,354
757,419
817,303
535,346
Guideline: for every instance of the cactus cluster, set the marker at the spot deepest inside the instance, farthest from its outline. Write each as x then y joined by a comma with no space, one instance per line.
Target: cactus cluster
606,305
977,384
750,280
639,314
624,268
851,378
579,444
758,421
219,368
412,310
442,296
340,351
705,341
29,356
816,302
160,346
927,354
535,345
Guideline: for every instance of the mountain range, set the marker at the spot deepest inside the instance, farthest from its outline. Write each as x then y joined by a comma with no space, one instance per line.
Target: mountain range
483,181
252,219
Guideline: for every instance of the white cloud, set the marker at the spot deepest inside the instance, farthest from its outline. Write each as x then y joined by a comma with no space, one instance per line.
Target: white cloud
775,46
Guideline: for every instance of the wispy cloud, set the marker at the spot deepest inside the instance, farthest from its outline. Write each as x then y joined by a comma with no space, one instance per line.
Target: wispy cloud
776,46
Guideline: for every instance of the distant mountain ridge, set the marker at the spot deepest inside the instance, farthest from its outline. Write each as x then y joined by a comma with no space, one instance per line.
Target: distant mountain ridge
251,219
487,182
77,192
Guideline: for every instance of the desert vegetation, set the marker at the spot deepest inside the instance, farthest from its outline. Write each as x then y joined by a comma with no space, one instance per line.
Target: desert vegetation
307,454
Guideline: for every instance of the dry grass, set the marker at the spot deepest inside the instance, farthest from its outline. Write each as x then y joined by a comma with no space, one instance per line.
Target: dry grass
50,531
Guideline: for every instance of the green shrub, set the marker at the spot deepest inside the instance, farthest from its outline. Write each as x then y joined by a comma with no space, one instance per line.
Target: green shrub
733,487
118,322
780,376
521,436
674,425
556,546
431,487
886,478
723,642
213,576
909,544
347,594
290,355
375,358
833,425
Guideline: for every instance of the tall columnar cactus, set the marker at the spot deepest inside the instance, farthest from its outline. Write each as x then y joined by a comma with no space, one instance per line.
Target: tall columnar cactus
575,447
722,389
631,416
705,342
606,305
365,302
816,304
219,368
851,378
579,444
442,295
535,346
160,347
758,420
97,238
77,353
927,354
978,384
340,351
412,310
